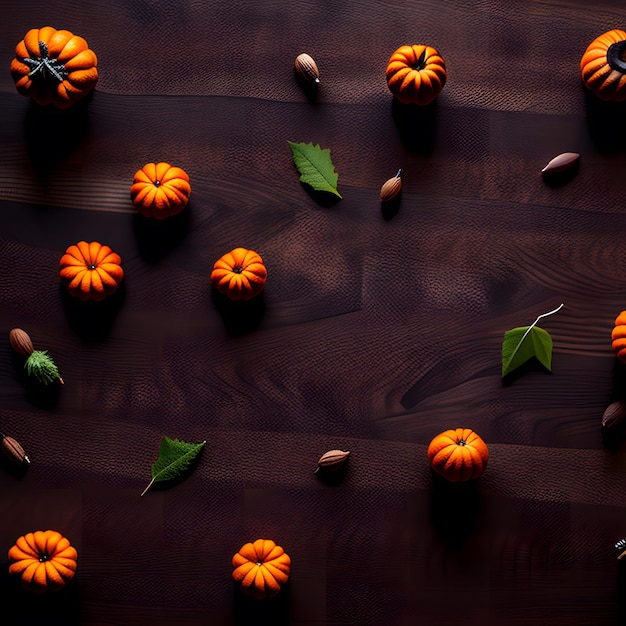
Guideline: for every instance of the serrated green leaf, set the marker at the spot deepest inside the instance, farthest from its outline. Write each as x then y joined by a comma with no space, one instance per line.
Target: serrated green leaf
517,349
315,166
174,458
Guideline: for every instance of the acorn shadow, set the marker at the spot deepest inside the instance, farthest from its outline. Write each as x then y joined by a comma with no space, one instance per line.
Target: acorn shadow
52,134
416,125
309,89
249,611
332,478
156,238
239,316
91,320
390,208
560,179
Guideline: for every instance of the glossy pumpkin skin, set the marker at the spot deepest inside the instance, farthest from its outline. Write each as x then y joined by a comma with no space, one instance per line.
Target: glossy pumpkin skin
416,74
44,560
261,567
160,190
240,274
54,67
603,66
91,271
618,337
458,455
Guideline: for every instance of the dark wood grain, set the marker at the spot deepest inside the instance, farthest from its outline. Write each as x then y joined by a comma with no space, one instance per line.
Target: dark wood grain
380,325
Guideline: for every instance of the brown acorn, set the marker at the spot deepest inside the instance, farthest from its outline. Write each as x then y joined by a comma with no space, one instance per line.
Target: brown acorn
332,460
391,188
13,450
21,342
307,68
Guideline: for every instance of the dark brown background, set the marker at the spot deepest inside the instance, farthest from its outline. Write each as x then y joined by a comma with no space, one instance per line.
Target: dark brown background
379,327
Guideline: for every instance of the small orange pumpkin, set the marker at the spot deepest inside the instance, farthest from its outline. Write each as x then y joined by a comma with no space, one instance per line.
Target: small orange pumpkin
240,274
160,190
416,74
54,67
261,567
44,560
618,337
458,454
603,66
91,271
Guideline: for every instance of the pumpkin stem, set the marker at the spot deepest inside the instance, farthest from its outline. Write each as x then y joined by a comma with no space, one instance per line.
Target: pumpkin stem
616,56
45,68
420,64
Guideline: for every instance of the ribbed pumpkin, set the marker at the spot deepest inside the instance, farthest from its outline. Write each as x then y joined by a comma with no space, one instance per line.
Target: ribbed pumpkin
261,567
603,66
416,74
618,337
91,271
160,190
458,454
240,274
54,67
44,560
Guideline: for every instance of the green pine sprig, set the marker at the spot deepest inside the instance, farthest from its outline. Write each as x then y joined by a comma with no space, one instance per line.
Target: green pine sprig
40,365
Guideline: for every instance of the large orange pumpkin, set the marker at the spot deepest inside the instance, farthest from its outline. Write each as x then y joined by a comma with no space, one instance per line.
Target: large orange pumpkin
240,274
160,190
603,66
458,454
416,74
261,567
44,560
618,337
91,271
54,67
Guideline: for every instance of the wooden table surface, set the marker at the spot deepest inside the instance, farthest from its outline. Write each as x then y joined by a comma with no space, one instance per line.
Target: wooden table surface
379,326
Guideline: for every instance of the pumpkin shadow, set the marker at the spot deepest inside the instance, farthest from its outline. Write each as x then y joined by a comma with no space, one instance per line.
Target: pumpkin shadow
37,393
605,123
91,320
52,134
613,437
239,317
156,238
416,125
53,608
620,605
454,510
249,611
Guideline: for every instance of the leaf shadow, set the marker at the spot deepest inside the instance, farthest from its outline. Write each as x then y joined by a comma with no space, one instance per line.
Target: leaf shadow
156,238
91,320
239,317
324,199
37,393
164,485
249,611
533,365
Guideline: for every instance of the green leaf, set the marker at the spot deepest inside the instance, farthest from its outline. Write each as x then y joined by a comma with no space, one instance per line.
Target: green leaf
315,167
174,458
525,342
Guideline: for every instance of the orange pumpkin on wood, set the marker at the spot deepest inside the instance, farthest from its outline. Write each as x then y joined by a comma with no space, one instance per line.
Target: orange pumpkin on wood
91,271
160,190
603,66
240,274
261,567
54,67
458,454
618,337
416,74
44,560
